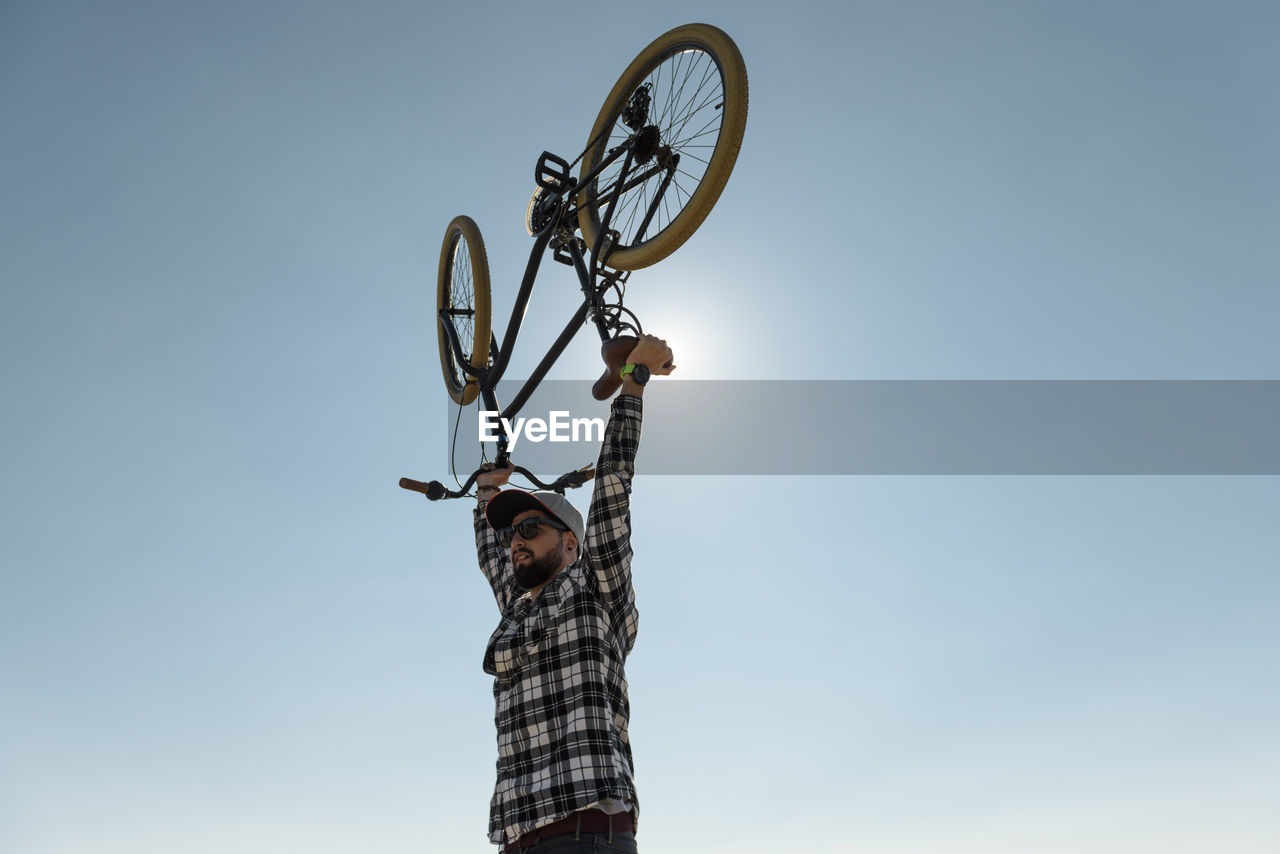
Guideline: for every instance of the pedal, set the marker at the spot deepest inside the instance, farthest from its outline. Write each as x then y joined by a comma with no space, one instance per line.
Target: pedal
559,253
552,173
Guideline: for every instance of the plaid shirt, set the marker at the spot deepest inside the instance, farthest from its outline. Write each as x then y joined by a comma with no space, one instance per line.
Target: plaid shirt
557,660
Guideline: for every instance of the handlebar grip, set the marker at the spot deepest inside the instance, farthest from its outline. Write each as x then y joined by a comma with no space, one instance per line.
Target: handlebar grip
434,490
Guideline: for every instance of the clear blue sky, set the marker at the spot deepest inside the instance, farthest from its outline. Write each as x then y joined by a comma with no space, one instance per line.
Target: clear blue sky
223,628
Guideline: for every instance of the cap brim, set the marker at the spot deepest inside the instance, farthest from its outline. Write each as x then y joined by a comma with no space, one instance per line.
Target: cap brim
506,505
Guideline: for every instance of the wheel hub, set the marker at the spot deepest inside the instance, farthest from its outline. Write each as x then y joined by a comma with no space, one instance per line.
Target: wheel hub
647,141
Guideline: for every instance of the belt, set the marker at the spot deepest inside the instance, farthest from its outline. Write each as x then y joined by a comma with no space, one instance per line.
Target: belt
586,821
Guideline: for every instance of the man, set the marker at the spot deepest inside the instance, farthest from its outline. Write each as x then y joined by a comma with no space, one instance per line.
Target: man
565,772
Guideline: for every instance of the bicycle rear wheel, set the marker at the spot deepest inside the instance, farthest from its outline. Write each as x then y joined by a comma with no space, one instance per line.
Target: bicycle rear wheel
462,300
697,87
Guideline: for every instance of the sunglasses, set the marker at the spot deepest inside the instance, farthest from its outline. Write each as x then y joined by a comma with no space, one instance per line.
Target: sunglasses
527,529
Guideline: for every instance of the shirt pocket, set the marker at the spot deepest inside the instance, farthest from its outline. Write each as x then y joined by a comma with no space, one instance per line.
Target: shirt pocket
517,645
541,630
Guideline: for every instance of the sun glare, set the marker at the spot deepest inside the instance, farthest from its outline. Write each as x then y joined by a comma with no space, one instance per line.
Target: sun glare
699,332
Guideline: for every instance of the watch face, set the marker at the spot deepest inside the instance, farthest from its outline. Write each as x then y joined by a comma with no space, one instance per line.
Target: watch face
641,374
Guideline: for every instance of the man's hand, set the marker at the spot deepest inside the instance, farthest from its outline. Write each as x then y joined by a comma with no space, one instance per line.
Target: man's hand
652,352
491,479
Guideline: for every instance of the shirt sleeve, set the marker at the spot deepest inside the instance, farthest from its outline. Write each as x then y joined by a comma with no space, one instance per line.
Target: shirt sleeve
609,523
493,560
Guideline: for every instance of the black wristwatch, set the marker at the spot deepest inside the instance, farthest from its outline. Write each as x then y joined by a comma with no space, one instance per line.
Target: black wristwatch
639,373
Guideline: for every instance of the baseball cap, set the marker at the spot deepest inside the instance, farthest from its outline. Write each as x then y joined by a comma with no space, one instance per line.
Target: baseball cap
504,507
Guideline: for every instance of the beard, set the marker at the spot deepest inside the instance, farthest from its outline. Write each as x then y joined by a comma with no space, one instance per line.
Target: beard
536,570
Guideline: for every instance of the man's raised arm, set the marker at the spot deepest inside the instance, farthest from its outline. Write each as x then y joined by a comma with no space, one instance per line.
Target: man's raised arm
492,557
609,524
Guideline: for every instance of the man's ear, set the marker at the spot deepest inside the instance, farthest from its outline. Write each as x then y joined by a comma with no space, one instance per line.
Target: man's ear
573,540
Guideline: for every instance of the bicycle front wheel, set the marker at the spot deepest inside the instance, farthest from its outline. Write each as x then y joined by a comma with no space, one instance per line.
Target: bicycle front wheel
695,86
462,301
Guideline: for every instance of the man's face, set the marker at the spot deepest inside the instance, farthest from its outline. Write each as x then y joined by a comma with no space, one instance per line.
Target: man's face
539,558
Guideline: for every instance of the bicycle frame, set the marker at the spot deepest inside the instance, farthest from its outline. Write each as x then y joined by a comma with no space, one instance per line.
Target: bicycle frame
564,210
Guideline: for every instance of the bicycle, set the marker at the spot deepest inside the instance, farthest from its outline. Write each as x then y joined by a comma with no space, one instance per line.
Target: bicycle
658,156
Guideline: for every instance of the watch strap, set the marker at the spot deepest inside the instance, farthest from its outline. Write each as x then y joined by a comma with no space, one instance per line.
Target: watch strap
638,376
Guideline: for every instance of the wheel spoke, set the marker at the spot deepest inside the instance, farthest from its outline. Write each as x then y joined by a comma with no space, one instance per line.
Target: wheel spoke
689,113
462,295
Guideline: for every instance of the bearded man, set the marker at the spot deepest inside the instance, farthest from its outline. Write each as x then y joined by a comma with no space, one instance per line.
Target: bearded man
565,770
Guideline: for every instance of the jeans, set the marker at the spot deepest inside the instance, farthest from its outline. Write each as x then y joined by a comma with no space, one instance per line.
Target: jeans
587,843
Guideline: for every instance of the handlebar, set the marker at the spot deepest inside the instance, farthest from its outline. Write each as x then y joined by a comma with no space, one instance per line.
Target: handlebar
435,490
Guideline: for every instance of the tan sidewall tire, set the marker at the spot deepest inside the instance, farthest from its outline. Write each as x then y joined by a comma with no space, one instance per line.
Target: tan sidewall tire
462,393
734,70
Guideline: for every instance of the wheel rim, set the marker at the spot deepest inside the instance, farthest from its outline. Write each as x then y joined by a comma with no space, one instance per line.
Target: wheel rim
461,298
688,95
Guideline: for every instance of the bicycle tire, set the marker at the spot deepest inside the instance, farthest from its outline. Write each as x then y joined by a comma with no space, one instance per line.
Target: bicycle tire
688,50
463,290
